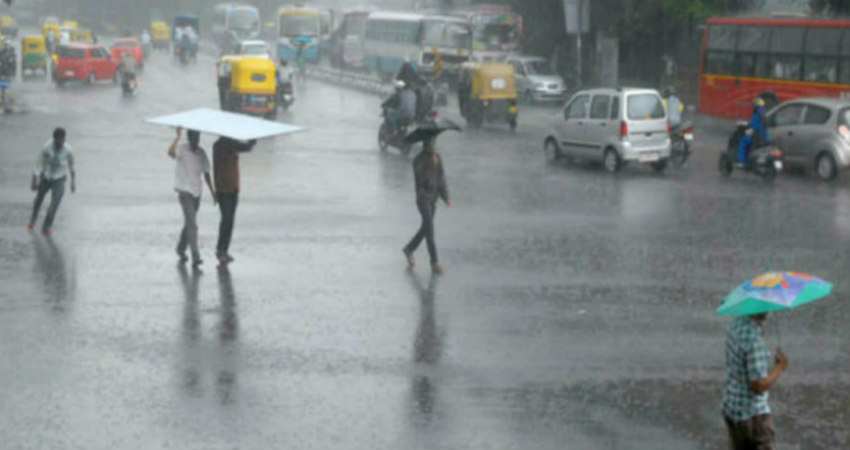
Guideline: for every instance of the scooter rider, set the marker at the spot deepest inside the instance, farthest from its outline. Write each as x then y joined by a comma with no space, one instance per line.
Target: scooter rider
401,106
674,107
757,134
127,67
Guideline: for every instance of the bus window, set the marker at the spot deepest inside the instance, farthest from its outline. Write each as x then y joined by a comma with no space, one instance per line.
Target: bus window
786,47
722,37
752,51
720,57
822,53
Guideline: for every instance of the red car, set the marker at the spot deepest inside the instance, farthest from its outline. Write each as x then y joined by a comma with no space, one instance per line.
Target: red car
83,62
124,45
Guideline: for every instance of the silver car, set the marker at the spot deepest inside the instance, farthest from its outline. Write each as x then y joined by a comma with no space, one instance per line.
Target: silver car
612,126
813,133
536,81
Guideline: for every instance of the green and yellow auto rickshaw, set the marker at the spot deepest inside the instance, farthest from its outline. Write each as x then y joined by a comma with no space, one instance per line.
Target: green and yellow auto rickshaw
487,92
33,55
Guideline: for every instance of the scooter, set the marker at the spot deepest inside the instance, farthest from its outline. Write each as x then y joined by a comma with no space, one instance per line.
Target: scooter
388,137
285,95
764,160
681,137
128,83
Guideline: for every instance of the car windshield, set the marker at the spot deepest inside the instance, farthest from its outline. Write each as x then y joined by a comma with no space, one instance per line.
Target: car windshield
255,49
299,25
538,68
244,20
645,107
71,53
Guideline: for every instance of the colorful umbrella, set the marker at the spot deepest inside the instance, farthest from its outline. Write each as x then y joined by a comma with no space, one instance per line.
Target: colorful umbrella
774,291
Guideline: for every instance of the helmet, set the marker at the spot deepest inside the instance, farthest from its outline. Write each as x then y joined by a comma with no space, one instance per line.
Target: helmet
758,102
399,85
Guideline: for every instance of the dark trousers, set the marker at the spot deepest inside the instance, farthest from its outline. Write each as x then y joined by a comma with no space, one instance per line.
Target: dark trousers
755,433
57,189
189,204
227,204
426,231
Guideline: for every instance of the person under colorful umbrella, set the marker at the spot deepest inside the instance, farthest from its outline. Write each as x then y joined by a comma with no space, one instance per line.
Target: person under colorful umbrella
748,375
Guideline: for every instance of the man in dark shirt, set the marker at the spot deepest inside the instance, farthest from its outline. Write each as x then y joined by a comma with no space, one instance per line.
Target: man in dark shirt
430,186
226,175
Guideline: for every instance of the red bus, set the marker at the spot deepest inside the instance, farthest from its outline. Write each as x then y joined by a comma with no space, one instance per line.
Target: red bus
777,59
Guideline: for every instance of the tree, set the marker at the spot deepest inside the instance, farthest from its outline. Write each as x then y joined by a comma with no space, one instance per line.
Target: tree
831,7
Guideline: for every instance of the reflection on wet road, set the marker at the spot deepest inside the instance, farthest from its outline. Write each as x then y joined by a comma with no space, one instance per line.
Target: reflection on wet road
577,310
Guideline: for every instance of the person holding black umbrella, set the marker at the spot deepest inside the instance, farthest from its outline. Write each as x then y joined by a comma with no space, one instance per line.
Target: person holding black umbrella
430,187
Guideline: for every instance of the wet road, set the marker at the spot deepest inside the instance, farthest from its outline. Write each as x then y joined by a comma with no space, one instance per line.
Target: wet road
576,312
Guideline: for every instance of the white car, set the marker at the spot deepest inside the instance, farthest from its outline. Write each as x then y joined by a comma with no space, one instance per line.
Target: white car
253,48
536,81
612,126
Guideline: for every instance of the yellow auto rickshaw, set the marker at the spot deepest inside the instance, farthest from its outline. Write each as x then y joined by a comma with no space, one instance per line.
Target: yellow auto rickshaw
252,86
50,28
160,35
82,35
487,92
8,26
33,55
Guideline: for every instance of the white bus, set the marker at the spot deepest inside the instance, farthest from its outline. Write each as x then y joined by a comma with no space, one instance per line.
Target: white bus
235,22
393,38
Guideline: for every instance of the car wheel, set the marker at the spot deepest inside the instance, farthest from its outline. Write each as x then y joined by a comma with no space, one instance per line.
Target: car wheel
826,167
611,161
553,153
91,78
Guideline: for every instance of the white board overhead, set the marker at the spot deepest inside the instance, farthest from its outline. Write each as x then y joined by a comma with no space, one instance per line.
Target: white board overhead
222,123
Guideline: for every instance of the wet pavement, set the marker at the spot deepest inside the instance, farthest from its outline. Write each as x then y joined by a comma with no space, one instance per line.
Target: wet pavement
576,312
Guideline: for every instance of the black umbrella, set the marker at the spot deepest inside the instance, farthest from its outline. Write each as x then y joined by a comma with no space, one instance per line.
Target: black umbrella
430,129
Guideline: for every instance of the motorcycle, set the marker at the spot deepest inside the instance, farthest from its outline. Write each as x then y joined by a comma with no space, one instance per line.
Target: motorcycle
764,160
389,136
681,137
128,83
285,95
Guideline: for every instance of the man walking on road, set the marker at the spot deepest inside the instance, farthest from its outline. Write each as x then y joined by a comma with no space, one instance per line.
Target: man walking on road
55,162
226,174
748,378
192,163
430,186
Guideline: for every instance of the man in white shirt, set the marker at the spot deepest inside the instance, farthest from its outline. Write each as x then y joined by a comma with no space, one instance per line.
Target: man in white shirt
192,163
55,162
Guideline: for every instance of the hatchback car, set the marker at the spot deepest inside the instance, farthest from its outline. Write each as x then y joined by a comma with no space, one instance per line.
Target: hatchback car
813,133
536,81
128,45
83,62
253,48
612,126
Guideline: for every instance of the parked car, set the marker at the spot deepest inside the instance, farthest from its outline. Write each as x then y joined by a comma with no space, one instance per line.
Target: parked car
612,126
83,62
813,133
128,44
252,48
536,81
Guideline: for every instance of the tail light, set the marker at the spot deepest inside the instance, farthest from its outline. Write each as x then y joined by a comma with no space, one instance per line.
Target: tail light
669,128
434,115
777,154
844,132
624,129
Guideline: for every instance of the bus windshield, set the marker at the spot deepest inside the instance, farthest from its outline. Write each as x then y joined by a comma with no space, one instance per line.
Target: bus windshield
243,20
303,25
446,34
496,36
